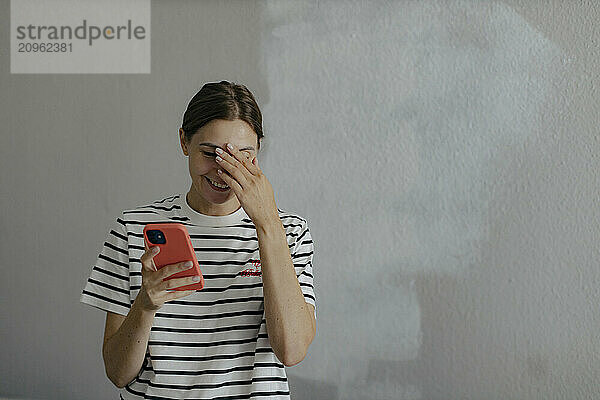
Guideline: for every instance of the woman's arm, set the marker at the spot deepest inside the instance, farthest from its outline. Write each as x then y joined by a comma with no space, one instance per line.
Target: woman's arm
290,320
125,350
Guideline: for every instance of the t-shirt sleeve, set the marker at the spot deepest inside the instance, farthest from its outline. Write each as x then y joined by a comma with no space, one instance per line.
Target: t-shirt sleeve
107,288
302,258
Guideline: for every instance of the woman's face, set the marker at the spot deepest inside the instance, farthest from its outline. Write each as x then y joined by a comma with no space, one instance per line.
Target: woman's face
204,197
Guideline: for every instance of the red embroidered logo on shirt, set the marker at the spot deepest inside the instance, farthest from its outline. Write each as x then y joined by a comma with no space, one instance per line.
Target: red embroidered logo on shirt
254,271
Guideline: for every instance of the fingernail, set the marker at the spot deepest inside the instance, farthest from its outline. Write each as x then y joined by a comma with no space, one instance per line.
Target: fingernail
219,150
155,249
188,264
196,278
229,146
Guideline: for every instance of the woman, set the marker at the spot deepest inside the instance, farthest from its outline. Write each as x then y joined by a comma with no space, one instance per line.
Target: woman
256,312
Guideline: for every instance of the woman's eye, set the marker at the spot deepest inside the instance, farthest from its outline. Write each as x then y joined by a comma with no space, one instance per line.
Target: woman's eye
208,154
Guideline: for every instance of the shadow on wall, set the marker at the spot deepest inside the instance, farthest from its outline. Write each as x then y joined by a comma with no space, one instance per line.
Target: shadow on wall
305,388
409,106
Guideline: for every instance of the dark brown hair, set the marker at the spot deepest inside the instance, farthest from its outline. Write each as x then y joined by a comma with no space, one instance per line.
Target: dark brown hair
222,100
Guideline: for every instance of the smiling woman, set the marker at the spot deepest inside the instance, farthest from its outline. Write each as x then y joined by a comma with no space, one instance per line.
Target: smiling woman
209,194
255,315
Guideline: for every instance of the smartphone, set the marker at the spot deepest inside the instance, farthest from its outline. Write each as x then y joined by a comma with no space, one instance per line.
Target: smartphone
175,247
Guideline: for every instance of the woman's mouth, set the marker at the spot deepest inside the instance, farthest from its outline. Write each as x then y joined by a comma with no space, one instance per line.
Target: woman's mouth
219,187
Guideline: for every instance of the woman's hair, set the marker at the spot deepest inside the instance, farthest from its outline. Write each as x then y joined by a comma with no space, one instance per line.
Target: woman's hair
222,100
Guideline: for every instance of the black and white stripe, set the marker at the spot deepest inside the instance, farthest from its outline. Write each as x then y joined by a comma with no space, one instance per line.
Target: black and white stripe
212,344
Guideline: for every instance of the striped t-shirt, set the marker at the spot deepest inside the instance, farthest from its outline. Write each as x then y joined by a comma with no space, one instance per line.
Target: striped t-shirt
211,344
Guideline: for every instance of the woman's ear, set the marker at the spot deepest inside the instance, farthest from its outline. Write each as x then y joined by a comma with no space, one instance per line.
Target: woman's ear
182,141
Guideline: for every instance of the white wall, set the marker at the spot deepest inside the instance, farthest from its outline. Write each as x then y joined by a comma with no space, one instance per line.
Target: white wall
444,154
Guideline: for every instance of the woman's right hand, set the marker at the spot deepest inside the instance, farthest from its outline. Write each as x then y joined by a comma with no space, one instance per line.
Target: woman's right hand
153,293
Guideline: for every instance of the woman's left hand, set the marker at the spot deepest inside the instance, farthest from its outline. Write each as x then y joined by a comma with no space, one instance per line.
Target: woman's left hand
250,185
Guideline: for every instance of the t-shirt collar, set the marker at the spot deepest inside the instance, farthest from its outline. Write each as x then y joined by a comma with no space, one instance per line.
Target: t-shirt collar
200,219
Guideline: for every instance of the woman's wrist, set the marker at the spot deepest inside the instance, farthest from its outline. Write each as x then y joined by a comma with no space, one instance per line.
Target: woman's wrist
142,302
269,226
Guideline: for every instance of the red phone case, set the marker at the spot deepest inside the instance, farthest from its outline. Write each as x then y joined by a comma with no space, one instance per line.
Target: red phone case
177,248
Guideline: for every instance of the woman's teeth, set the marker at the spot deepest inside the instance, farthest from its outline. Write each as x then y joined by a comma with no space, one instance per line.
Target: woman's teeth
217,184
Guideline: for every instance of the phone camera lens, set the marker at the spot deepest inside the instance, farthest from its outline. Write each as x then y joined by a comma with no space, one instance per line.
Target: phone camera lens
156,237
